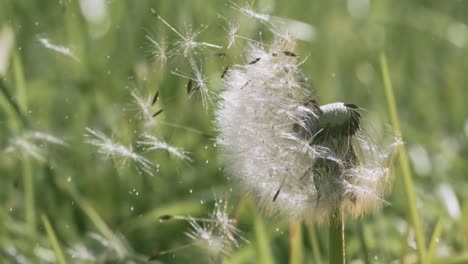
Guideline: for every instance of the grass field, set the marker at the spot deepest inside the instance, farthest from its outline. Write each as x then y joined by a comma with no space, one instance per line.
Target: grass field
70,75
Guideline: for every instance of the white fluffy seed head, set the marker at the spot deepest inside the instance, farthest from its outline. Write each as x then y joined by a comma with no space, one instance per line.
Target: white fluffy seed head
299,157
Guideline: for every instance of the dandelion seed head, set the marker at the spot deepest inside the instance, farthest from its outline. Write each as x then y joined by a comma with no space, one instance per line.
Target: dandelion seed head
298,157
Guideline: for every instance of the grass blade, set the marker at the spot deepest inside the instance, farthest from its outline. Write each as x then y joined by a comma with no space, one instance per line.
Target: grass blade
403,159
314,242
53,240
434,240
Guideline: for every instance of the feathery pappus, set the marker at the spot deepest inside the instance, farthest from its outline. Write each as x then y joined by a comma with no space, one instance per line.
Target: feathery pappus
297,156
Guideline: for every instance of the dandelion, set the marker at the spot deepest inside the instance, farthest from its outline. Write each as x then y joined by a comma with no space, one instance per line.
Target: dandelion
111,149
299,157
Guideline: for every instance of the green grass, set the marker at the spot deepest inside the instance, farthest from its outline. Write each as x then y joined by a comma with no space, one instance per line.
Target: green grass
73,196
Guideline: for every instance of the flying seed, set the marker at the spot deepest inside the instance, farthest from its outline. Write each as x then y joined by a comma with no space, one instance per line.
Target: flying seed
165,217
276,194
155,98
254,61
189,86
289,53
247,83
157,113
224,72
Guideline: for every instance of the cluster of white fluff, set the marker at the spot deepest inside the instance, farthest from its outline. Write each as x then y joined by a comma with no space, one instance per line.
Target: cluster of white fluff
297,156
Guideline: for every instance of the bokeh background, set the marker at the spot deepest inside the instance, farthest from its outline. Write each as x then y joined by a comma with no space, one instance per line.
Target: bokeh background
67,65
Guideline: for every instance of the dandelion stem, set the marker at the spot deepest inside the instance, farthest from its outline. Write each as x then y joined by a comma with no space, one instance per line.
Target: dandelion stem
336,238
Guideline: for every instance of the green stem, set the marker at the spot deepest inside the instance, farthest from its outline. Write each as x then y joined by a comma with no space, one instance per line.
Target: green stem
404,163
362,240
314,243
13,103
336,238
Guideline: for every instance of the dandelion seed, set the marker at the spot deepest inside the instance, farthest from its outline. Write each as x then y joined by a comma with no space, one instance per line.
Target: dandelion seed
32,142
254,61
204,234
232,29
298,157
224,72
152,143
81,252
217,233
57,48
248,10
157,113
188,44
289,53
144,107
158,50
41,136
196,82
110,149
155,98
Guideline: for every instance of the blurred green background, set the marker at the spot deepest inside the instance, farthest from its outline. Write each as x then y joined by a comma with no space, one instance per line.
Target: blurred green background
74,198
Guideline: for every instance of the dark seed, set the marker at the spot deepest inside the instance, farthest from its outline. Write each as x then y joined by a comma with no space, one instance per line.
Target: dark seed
254,61
158,112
